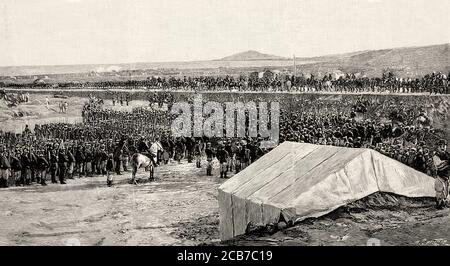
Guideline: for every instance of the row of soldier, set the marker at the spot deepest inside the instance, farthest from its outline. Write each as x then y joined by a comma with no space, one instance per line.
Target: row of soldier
350,82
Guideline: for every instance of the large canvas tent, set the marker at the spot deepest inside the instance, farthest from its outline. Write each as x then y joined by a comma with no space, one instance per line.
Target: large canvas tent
296,181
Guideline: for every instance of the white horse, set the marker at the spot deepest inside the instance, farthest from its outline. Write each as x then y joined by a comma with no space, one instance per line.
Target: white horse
141,161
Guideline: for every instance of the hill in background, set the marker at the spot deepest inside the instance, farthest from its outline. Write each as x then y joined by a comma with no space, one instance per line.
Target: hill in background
252,55
405,62
410,61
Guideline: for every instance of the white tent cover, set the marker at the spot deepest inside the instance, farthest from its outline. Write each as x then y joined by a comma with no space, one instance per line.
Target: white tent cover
296,181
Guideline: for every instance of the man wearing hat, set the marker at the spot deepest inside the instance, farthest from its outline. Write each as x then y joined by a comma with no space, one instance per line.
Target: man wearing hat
229,148
103,156
41,167
33,171
118,156
62,165
238,155
70,163
53,165
442,174
25,177
198,150
16,166
5,168
209,151
223,156
80,164
88,158
125,157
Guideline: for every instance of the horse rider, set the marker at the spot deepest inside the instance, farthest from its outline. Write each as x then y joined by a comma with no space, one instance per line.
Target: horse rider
154,150
142,146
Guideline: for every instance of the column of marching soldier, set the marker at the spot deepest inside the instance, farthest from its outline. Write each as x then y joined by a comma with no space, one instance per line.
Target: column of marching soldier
38,160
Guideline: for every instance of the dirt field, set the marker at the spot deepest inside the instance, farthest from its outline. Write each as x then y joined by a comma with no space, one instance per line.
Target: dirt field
178,209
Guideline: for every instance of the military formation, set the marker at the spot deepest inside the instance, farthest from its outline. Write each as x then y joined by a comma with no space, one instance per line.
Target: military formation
433,83
26,159
104,143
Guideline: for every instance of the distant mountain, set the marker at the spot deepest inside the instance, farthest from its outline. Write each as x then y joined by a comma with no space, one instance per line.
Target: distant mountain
252,56
409,61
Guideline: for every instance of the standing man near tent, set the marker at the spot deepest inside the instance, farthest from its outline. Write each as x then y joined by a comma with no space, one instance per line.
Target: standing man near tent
245,155
441,161
209,151
223,157
229,148
238,156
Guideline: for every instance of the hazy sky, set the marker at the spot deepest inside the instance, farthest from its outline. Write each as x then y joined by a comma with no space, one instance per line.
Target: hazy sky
45,32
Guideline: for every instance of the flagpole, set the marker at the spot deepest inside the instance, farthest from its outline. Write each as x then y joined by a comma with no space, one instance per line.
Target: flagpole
295,68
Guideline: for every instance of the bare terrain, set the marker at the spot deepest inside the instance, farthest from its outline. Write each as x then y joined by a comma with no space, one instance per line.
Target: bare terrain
87,212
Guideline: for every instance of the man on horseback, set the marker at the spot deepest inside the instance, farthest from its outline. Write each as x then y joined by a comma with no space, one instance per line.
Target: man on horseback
142,146
155,149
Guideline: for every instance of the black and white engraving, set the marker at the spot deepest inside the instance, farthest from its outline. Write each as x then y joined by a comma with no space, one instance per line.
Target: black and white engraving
206,122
